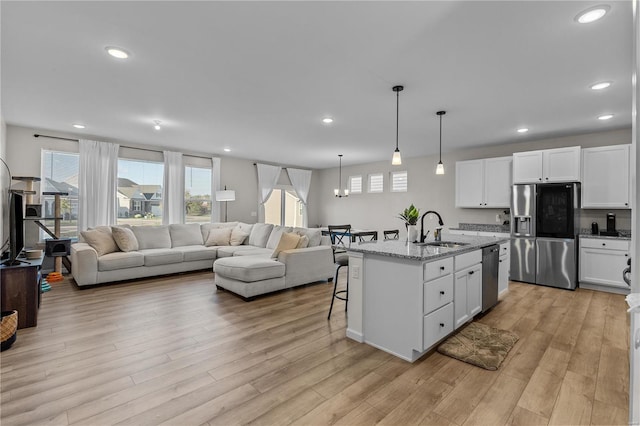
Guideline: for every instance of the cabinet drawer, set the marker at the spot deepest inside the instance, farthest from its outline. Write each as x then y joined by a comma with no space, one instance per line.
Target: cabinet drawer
437,325
468,259
602,243
505,249
438,268
438,293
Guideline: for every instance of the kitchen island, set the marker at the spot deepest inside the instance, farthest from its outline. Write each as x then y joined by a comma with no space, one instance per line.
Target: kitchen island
404,298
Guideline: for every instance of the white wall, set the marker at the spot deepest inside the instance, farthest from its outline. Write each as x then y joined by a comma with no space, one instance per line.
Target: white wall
431,192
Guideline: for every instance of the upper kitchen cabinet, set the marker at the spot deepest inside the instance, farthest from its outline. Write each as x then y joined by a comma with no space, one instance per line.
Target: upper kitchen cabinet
548,165
484,183
605,177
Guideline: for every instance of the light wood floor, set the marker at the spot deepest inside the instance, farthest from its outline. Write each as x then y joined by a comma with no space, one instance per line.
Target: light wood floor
176,351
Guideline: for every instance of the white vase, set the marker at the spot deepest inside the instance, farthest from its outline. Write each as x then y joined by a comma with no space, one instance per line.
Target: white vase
412,233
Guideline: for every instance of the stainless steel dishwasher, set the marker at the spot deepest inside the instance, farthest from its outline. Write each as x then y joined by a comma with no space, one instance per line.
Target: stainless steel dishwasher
490,256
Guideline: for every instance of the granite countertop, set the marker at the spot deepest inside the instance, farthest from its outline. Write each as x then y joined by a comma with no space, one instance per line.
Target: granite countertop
483,227
605,237
404,250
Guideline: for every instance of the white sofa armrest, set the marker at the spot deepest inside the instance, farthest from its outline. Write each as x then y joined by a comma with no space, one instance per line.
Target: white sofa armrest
307,265
84,264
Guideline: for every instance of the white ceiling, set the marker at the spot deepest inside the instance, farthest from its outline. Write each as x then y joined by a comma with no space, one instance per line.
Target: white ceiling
258,77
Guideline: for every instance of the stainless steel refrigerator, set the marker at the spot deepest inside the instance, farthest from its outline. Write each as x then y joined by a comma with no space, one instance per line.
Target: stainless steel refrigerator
545,221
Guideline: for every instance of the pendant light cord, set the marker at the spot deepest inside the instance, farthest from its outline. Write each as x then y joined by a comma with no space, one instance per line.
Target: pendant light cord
397,116
441,138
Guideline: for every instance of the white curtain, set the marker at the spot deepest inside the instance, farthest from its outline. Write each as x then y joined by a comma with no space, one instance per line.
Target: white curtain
215,186
301,181
267,180
173,188
97,184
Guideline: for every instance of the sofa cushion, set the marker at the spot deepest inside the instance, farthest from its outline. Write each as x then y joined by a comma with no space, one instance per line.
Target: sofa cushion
276,233
315,235
254,251
155,257
228,251
218,237
245,227
238,236
249,268
304,242
124,238
260,234
206,227
185,234
198,252
120,260
288,241
152,237
101,241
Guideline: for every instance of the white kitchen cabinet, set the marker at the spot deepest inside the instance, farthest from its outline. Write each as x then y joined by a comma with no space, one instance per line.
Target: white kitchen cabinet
467,287
484,183
602,262
504,264
605,177
548,165
463,232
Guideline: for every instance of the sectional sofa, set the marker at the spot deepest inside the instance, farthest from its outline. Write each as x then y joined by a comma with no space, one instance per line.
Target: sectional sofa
159,250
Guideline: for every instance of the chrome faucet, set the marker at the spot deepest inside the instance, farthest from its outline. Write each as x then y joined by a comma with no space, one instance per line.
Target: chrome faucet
423,236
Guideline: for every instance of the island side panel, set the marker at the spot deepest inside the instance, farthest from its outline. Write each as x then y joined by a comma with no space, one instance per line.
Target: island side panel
392,309
354,302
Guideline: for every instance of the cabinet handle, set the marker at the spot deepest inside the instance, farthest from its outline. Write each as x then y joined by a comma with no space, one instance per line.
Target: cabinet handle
539,178
547,178
499,261
471,272
626,204
441,292
603,244
442,268
441,324
626,255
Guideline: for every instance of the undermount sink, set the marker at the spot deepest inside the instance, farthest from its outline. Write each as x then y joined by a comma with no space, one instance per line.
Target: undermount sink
447,244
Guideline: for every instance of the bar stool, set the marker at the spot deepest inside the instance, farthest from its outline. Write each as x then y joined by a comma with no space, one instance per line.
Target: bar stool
365,236
392,234
337,233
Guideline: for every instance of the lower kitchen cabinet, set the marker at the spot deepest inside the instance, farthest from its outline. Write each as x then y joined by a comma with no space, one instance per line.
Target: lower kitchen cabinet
602,262
437,325
467,293
504,265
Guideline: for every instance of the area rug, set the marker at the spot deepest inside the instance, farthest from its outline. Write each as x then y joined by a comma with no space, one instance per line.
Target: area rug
479,345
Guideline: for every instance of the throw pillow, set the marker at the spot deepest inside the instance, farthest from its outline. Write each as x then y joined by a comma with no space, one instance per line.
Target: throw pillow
314,234
185,235
304,242
124,238
260,234
219,237
288,241
275,235
152,237
102,242
237,236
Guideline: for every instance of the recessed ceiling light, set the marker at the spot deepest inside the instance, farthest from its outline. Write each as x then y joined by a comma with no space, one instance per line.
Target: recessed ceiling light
79,126
227,149
327,120
157,124
592,14
600,86
605,117
523,130
117,52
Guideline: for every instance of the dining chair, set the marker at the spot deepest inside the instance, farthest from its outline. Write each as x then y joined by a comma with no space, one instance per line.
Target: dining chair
366,236
339,235
392,234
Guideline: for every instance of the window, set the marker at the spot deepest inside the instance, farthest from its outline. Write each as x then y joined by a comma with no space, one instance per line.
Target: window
376,182
283,208
399,181
355,184
197,194
139,192
60,174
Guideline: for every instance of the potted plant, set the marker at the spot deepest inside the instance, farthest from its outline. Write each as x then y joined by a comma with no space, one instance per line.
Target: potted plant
410,216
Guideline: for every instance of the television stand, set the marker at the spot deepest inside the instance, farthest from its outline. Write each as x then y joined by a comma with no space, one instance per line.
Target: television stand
20,290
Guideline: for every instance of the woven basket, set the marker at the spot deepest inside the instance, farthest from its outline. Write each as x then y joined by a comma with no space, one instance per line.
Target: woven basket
8,328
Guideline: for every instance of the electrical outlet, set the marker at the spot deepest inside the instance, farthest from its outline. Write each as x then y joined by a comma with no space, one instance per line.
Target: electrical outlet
254,214
498,220
355,272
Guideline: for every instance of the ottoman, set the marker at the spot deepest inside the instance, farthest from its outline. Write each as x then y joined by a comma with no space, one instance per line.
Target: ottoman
249,276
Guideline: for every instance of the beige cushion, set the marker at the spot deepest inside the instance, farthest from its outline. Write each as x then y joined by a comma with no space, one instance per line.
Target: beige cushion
238,236
155,257
218,237
245,227
124,238
152,237
198,252
276,233
249,268
260,234
304,242
185,234
315,235
120,260
206,227
101,241
288,241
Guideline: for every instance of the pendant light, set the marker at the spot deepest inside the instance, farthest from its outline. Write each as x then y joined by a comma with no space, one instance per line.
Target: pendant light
440,166
336,192
397,160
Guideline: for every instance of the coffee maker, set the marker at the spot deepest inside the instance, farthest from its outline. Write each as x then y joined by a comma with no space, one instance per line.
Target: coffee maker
611,226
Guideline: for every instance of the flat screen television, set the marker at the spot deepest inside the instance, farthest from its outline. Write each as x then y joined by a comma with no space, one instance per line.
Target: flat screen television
16,228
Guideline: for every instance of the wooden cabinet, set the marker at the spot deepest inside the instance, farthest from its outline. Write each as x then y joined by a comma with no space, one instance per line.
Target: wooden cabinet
467,291
20,290
605,177
602,262
484,183
549,165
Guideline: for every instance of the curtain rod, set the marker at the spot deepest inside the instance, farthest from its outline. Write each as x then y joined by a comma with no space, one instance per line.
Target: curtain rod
36,135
